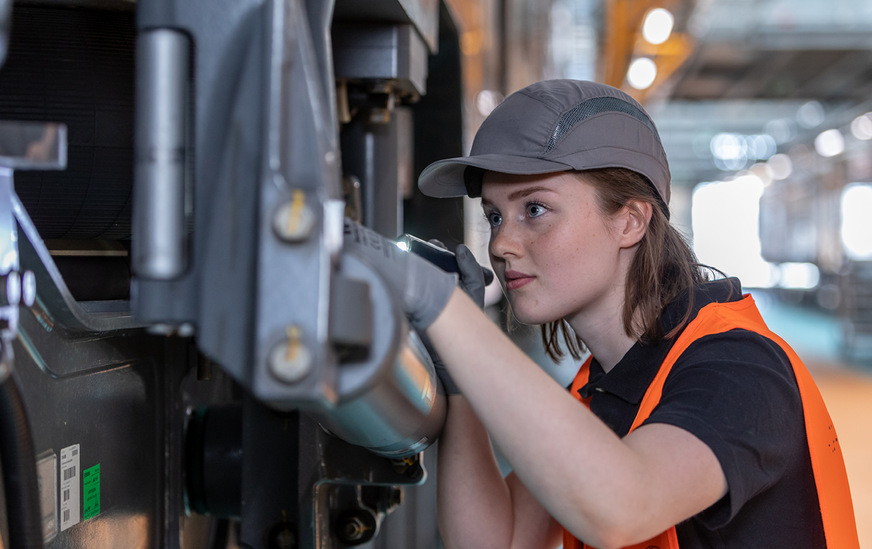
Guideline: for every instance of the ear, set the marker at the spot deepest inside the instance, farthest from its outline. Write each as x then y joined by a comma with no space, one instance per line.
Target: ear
633,222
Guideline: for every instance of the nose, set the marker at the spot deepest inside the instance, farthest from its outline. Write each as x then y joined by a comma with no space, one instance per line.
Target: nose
505,241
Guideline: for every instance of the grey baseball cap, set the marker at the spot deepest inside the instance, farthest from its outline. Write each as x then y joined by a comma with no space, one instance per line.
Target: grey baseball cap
555,126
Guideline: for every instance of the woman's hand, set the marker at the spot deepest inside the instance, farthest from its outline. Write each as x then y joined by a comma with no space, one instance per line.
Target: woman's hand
423,288
471,274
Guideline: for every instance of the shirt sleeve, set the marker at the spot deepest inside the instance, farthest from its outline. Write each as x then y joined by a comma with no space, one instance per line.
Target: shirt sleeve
737,393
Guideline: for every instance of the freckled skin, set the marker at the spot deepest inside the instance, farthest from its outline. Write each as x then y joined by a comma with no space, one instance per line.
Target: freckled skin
549,228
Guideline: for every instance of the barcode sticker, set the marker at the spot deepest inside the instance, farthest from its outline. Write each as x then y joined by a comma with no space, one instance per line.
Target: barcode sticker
91,492
70,502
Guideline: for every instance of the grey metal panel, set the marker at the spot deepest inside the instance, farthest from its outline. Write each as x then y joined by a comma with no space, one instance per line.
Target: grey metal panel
423,14
382,52
109,408
265,135
119,396
228,79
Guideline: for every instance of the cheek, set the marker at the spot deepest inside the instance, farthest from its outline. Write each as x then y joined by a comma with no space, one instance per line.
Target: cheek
575,254
560,248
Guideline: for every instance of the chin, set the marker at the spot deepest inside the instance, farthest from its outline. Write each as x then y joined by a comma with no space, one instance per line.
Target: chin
531,318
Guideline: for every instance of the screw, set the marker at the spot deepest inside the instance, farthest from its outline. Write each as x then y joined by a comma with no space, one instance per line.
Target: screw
28,288
290,361
294,220
12,293
353,529
356,527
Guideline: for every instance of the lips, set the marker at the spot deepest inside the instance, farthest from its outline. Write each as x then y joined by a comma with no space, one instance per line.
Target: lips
515,280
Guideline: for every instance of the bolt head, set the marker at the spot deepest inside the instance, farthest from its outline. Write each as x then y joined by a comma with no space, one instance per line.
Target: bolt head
293,224
13,288
28,288
290,366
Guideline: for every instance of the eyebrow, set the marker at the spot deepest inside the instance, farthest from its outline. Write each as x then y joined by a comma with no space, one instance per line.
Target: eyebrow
521,193
526,192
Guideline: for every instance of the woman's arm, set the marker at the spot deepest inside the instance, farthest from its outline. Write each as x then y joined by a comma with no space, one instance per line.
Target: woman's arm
477,507
608,491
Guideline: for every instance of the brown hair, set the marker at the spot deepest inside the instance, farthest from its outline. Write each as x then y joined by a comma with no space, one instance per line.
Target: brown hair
663,268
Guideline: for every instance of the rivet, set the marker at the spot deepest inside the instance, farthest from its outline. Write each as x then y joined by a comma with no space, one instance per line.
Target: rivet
294,220
290,361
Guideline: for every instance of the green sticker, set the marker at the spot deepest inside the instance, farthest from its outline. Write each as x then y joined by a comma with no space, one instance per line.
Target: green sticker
91,492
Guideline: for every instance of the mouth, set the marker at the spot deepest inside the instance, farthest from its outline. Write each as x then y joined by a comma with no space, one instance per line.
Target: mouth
515,280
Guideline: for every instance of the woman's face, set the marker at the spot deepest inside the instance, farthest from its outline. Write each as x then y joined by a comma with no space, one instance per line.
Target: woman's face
555,254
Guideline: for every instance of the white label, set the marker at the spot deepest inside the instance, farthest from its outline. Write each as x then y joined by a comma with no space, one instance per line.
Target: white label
47,473
71,508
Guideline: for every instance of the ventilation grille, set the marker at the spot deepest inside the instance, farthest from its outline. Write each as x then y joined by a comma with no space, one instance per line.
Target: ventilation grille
592,107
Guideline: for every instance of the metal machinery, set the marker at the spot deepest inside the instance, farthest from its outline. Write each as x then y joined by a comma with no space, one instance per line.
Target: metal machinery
189,358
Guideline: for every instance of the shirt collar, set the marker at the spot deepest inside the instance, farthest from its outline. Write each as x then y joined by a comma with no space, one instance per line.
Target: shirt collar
631,376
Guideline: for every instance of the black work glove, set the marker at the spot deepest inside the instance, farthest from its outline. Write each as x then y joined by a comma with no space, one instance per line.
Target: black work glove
423,288
471,275
472,282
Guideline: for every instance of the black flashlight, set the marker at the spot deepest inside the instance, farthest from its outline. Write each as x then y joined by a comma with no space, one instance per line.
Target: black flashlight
437,255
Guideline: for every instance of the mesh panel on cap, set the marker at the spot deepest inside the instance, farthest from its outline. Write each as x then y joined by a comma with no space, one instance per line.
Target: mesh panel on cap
590,108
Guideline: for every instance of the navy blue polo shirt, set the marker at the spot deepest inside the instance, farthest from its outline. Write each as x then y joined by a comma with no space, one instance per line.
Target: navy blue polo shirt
736,392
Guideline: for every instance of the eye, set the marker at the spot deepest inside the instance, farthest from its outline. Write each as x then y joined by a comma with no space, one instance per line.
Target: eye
493,218
535,209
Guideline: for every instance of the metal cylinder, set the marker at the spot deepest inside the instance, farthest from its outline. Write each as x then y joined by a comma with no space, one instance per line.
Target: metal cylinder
392,403
162,97
403,411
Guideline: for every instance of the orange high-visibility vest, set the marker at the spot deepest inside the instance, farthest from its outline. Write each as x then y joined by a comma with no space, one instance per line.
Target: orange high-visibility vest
831,481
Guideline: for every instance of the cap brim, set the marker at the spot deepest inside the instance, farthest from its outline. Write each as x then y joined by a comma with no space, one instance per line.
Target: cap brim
444,178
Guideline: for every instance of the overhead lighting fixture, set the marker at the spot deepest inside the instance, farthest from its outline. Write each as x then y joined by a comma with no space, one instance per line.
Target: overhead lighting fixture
829,143
861,127
657,26
642,73
733,151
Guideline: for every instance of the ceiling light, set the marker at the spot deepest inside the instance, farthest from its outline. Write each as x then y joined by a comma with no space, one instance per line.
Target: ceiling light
861,127
657,26
642,73
829,143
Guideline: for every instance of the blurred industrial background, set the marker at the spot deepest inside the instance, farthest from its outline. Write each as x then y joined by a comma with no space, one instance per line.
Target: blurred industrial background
764,110
196,363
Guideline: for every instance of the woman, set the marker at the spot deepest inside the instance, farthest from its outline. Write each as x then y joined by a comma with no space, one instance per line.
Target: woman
691,431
